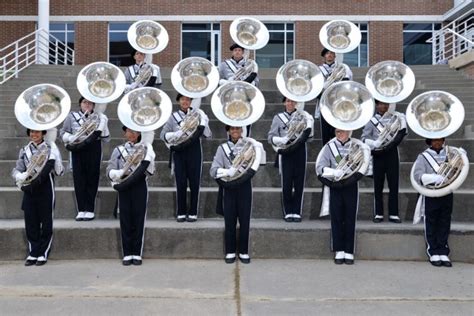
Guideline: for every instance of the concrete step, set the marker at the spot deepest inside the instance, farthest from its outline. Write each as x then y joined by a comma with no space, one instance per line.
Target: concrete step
100,239
266,203
10,146
266,176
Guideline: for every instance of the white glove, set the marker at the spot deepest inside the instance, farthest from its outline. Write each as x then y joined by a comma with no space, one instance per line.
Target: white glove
332,173
280,141
204,120
431,178
67,137
21,176
223,172
150,154
170,136
103,122
115,174
373,143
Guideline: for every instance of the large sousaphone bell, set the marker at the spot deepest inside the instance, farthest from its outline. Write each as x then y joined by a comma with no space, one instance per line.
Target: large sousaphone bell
438,114
195,77
101,82
42,107
249,33
340,36
300,80
390,81
148,37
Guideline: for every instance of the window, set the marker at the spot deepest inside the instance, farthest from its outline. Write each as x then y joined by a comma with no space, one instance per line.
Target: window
359,56
280,47
201,40
64,32
120,50
416,51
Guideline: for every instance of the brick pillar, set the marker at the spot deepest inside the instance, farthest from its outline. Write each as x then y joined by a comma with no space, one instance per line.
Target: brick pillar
91,42
385,41
307,41
171,54
226,40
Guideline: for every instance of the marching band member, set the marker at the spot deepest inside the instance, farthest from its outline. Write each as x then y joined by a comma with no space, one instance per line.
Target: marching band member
38,197
437,210
344,197
327,68
187,159
86,156
292,164
229,67
132,72
386,162
133,193
236,198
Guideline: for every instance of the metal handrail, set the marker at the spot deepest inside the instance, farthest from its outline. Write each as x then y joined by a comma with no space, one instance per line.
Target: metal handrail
41,47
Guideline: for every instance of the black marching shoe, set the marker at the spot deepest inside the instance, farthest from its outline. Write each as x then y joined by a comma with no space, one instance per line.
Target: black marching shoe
339,258
127,260
394,219
41,261
297,218
181,218
229,258
191,218
348,258
445,262
30,261
378,219
288,218
244,258
136,260
435,260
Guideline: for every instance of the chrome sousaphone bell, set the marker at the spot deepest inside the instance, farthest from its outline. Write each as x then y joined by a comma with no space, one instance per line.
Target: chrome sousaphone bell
195,77
249,33
101,82
340,36
42,107
390,81
300,80
148,37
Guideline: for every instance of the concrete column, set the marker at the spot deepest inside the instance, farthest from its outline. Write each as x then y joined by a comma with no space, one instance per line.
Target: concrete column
43,23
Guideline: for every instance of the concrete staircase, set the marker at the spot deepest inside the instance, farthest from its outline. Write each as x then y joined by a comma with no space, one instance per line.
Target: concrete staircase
270,236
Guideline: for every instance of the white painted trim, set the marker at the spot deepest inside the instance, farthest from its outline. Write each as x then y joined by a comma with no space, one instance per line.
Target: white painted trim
220,18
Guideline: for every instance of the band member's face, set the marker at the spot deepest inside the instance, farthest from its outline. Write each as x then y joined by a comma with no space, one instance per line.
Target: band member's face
238,53
184,103
342,135
36,136
381,107
290,105
87,106
235,133
437,143
131,135
329,57
139,57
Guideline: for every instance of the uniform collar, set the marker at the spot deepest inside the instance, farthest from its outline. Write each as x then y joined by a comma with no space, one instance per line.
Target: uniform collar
436,151
343,144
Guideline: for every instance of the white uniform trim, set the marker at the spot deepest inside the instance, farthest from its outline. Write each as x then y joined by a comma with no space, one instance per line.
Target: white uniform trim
431,161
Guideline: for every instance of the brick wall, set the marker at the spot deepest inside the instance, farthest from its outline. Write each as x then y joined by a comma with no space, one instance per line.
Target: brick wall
12,31
385,41
91,42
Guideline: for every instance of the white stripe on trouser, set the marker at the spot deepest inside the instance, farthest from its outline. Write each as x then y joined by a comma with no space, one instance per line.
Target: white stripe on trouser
304,178
52,215
144,220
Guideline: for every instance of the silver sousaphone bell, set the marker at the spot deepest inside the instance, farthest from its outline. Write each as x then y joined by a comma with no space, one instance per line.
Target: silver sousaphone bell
101,82
238,103
390,81
435,114
195,77
144,109
249,33
300,80
347,105
148,37
340,36
42,107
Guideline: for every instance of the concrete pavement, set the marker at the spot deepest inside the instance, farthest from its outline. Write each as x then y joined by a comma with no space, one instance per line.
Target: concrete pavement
211,287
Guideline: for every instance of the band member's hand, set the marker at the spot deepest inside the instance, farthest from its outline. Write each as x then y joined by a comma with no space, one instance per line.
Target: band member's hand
150,153
178,134
115,174
280,141
67,138
103,122
332,173
223,172
373,143
431,178
21,176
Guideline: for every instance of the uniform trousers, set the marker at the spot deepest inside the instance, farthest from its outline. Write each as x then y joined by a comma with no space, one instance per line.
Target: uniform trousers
293,172
438,212
386,165
343,205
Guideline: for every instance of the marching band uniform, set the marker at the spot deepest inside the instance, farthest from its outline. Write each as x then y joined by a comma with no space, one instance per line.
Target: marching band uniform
386,163
85,160
343,200
437,210
327,131
133,198
38,200
292,166
132,72
187,161
236,204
